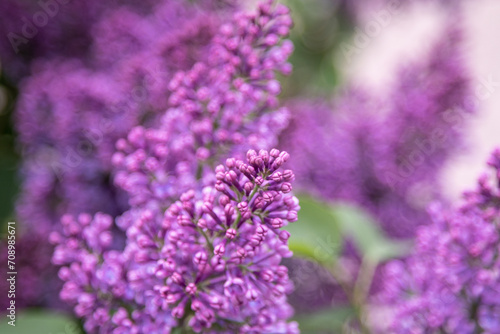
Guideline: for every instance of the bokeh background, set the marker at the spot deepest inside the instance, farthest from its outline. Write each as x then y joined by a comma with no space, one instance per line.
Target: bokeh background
323,70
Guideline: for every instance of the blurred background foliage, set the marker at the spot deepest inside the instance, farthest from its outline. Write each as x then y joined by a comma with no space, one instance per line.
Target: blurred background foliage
320,26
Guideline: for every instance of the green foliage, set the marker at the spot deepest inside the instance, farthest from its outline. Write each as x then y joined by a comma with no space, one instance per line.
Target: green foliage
319,234
363,230
316,235
319,29
40,321
322,228
329,320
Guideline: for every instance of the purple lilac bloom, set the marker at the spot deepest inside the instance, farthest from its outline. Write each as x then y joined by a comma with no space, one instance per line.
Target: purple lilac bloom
451,282
222,106
385,153
210,262
229,220
95,279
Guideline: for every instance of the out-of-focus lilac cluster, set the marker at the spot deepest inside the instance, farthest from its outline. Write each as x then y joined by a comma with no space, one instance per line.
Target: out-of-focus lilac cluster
32,260
51,28
451,282
385,153
210,262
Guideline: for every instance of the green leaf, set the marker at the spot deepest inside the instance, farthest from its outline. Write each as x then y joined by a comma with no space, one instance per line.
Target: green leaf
40,321
316,234
369,239
329,320
322,228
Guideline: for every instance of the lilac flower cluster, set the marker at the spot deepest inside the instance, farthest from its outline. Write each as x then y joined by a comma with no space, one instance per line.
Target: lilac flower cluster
198,248
451,282
51,28
95,279
72,111
388,161
210,262
220,107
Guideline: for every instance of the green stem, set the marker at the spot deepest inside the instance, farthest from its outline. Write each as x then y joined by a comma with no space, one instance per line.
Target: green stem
207,239
358,293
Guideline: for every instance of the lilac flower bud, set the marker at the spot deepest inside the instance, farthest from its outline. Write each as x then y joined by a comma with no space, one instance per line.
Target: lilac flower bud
216,302
202,223
277,223
267,275
259,180
284,236
184,220
219,250
191,289
177,278
144,242
242,206
277,177
248,186
259,203
220,186
256,240
252,294
207,207
200,258
291,216
288,175
286,187
274,153
267,196
224,200
231,233
251,154
241,253
178,312
261,230
273,86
